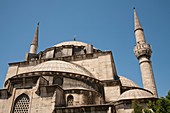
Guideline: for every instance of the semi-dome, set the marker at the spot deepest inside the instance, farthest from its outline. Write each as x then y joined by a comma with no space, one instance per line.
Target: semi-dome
75,43
127,82
61,66
135,94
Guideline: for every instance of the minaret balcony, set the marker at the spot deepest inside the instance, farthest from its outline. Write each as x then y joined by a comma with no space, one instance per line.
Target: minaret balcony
142,49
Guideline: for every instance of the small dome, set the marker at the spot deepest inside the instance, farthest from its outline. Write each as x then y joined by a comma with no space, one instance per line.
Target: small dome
75,43
127,82
61,66
135,94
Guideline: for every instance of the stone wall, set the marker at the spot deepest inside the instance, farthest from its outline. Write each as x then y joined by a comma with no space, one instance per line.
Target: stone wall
37,103
101,67
112,93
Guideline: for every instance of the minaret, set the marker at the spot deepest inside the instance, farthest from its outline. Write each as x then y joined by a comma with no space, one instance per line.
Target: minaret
34,44
143,53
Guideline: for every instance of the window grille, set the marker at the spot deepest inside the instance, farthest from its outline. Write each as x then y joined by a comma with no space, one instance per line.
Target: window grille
70,100
90,98
21,104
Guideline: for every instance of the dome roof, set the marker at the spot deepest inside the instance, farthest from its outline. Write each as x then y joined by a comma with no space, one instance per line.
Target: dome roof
75,43
61,66
127,82
78,88
135,94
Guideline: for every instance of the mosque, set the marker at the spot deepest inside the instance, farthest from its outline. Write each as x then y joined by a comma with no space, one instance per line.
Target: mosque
76,77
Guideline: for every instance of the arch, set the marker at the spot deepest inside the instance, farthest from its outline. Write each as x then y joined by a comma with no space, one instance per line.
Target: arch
21,104
58,80
90,98
70,100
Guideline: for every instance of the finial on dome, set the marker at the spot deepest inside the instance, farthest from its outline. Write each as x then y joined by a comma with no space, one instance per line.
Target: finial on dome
74,37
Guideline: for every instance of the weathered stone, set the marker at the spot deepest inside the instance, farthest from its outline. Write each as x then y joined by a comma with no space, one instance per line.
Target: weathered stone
75,77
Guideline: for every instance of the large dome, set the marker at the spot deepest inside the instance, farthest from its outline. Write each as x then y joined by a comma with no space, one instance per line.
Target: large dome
75,43
127,82
135,94
61,66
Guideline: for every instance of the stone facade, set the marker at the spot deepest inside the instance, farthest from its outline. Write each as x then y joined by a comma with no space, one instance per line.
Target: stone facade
75,77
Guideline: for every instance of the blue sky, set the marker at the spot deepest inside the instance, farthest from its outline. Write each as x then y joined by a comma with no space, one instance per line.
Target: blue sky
107,24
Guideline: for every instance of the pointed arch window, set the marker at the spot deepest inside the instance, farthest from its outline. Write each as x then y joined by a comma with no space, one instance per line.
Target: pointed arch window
90,97
70,100
21,104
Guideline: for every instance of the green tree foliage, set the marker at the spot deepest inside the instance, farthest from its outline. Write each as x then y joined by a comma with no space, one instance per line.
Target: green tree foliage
161,105
168,96
147,111
136,106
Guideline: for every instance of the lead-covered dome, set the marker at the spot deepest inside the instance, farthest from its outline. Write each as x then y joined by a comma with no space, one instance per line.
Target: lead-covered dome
127,82
61,66
75,43
135,94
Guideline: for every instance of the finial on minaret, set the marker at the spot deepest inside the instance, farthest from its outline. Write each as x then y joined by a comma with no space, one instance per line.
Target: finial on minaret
38,23
74,37
34,44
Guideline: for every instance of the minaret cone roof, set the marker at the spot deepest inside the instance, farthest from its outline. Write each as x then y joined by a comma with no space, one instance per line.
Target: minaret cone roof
137,24
35,39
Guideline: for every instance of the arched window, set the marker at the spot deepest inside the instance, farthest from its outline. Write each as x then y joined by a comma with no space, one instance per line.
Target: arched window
58,80
70,100
90,98
21,104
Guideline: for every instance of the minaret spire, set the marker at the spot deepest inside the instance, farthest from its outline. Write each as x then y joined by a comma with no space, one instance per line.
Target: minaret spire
138,29
143,53
137,24
34,44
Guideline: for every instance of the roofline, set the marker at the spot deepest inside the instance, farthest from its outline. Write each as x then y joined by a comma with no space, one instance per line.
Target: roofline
66,58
